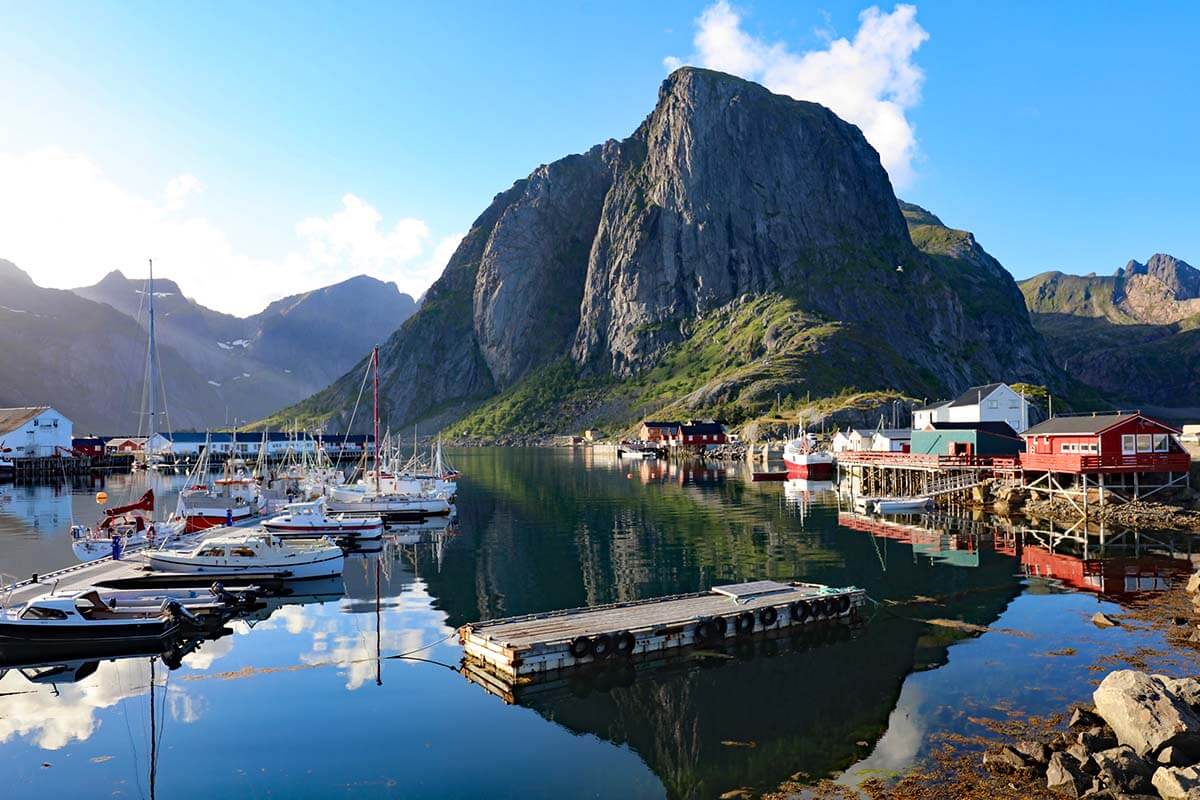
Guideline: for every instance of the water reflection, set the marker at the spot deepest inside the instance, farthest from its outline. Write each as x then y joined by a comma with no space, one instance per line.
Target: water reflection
343,686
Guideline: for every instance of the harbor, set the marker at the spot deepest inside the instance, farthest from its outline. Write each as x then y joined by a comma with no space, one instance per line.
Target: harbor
384,639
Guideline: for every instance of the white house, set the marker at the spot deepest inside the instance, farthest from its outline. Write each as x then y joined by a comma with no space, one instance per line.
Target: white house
993,402
891,440
33,431
851,439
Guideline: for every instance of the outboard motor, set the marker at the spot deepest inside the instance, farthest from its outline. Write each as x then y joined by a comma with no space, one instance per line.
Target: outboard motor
179,613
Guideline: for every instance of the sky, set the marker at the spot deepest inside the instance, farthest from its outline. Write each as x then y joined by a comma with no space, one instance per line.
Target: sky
257,150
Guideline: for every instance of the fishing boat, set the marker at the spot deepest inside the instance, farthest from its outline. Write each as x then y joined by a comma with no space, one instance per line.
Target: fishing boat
312,519
253,551
803,460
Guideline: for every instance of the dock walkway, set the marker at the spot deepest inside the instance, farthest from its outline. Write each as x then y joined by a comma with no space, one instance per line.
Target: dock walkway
533,645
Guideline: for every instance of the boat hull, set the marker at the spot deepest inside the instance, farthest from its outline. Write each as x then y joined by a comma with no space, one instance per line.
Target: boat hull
324,567
315,531
202,520
809,469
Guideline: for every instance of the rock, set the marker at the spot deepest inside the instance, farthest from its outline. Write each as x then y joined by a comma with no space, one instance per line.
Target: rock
1102,620
1006,759
1186,689
1036,752
1063,776
1083,718
1123,769
1084,757
1177,783
1097,739
1172,757
1144,715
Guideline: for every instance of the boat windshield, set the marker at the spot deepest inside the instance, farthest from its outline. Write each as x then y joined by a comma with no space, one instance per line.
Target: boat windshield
39,612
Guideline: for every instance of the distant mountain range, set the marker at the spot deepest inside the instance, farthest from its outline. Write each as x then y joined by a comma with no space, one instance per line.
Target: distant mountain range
83,351
740,251
1134,334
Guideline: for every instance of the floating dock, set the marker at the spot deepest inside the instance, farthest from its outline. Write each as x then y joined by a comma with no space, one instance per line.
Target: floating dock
530,647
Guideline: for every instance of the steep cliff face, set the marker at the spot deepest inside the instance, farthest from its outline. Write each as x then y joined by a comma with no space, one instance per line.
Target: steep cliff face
1134,335
740,248
728,189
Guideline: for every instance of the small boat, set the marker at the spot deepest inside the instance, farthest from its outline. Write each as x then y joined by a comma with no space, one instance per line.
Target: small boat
92,616
253,551
803,460
312,519
901,505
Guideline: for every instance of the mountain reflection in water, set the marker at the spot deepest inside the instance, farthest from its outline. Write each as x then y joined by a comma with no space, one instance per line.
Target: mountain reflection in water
326,691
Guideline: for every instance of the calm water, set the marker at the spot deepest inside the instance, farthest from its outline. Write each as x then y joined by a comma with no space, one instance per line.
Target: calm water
308,700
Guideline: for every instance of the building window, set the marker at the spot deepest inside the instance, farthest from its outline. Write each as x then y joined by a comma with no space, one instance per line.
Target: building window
1161,443
1145,443
1128,444
1014,403
993,403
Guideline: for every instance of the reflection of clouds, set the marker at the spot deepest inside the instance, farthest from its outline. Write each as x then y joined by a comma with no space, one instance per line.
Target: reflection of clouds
898,747
54,721
208,652
185,707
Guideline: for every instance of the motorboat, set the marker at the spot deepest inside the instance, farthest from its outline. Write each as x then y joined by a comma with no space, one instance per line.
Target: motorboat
229,500
95,615
313,519
253,551
804,460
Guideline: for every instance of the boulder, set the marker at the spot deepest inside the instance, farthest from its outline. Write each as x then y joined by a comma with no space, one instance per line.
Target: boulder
1006,759
1124,770
1097,739
1193,584
1083,718
1036,752
1064,776
1144,714
1177,783
1186,689
1102,620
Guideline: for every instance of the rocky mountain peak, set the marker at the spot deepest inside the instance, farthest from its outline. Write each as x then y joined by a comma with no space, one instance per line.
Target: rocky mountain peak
1180,279
11,272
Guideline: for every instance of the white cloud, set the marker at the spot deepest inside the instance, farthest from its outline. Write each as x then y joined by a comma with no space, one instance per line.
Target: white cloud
67,223
870,80
181,188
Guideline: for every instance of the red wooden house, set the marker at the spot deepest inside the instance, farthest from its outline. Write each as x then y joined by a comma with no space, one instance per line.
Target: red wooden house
1127,454
1111,443
696,433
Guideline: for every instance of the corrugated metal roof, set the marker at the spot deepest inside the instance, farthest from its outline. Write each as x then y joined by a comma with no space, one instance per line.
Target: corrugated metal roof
895,433
994,428
13,418
934,405
1085,424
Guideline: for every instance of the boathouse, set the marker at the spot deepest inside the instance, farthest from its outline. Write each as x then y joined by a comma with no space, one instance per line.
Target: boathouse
91,446
652,431
1125,455
969,439
33,432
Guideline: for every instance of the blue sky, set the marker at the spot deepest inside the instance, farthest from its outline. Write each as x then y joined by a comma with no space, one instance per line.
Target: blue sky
259,149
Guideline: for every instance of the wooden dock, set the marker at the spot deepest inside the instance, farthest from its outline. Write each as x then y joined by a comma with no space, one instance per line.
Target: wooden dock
533,646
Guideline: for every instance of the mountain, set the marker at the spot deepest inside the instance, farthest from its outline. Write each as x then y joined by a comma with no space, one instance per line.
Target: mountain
740,251
260,363
1134,335
86,359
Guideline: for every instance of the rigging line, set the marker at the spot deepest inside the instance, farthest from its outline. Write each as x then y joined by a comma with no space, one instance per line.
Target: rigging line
362,387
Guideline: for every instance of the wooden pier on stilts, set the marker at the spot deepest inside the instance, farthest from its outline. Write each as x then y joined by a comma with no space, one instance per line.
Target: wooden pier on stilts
531,647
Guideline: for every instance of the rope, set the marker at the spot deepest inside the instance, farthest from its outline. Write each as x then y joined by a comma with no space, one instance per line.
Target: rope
362,387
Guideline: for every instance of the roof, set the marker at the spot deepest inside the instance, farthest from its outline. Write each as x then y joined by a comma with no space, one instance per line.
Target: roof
652,424
974,395
13,418
994,428
931,406
895,433
1087,424
701,427
859,431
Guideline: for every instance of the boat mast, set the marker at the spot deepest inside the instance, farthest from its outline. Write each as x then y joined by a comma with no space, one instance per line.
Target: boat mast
375,363
152,384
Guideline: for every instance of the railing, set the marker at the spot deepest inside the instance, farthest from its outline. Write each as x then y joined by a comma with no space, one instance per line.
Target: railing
1079,462
923,460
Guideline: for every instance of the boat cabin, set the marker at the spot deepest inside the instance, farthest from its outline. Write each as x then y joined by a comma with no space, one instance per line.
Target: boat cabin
1117,442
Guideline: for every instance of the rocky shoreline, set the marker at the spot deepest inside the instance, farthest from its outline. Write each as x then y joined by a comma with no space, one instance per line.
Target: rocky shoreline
1178,510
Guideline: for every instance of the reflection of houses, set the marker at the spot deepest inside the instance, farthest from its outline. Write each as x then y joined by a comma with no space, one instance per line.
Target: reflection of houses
956,548
1112,576
1121,455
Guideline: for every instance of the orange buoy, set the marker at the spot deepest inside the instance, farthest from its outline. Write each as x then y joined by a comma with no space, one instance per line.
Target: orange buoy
101,497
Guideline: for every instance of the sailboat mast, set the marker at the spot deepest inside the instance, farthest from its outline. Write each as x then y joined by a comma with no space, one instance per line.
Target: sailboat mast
375,363
152,386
